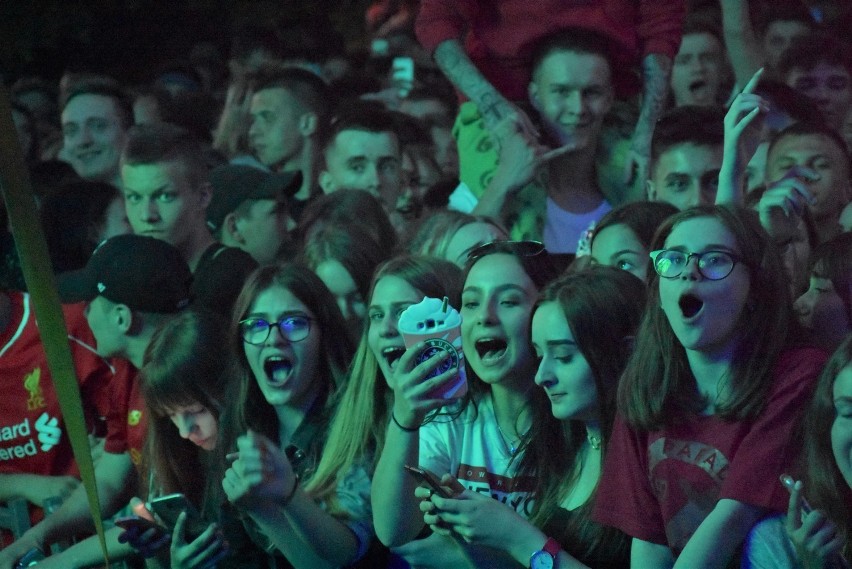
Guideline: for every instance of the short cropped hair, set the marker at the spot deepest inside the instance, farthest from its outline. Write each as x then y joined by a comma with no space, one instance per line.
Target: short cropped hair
574,40
357,116
812,128
307,87
165,142
785,12
701,126
105,87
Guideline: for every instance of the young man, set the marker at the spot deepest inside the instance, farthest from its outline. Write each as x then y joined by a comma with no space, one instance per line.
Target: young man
819,67
686,156
167,190
819,148
361,151
287,109
698,67
249,209
132,285
572,90
95,120
36,460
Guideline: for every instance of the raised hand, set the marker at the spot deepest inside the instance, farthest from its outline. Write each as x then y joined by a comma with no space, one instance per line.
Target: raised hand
783,203
814,536
412,385
260,475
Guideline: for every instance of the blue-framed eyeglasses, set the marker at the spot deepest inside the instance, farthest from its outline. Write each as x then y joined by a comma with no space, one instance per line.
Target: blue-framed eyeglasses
256,331
713,265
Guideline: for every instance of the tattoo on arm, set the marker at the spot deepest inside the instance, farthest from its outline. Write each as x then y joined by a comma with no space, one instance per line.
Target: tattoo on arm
460,70
656,71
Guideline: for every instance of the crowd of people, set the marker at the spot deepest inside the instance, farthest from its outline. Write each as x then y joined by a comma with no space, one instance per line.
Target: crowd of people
641,213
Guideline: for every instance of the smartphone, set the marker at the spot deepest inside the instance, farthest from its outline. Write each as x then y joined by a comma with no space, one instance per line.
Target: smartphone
141,525
168,508
30,558
428,478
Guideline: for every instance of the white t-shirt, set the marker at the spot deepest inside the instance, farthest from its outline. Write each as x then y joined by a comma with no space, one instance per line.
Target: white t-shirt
472,449
563,229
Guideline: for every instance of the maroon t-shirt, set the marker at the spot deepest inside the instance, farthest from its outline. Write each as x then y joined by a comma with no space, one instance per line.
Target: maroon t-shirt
659,486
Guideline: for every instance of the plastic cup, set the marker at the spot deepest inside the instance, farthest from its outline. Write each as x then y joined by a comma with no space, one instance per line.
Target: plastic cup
432,320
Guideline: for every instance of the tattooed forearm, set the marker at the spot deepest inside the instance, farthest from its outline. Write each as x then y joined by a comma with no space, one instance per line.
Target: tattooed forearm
656,71
461,71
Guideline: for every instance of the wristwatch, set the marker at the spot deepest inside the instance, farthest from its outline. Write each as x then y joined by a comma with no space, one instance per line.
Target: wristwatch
545,558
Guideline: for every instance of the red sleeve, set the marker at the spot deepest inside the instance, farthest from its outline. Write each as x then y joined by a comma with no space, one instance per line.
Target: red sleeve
769,449
104,385
438,21
660,26
118,415
625,499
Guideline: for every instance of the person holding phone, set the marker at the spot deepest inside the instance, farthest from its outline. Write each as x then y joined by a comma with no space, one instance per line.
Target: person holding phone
709,399
186,373
293,353
815,533
477,442
356,433
583,328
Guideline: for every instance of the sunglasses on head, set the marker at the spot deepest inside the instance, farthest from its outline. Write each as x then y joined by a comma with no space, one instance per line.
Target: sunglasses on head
519,248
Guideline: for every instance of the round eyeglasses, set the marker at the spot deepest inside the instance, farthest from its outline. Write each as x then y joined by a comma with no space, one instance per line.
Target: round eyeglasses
713,265
256,331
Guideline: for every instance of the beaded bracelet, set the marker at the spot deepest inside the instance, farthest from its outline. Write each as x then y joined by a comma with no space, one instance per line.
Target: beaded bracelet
406,429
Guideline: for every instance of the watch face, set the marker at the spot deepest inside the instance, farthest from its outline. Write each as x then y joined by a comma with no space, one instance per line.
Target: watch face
541,560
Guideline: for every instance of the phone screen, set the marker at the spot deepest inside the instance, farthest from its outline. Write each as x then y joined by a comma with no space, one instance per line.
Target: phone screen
168,508
427,478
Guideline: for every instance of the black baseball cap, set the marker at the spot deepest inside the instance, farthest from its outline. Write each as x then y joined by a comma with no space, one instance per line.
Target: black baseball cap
233,184
145,273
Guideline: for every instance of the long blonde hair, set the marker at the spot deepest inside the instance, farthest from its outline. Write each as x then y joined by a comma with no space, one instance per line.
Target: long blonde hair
357,431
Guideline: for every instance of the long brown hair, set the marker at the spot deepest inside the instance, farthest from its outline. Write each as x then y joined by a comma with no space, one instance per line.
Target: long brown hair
189,361
358,427
603,307
658,387
249,408
825,486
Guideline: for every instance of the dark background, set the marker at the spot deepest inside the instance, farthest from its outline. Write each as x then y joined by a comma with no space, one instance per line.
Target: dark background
130,39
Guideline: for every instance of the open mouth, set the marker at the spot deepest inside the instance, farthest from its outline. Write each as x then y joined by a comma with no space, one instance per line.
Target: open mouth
491,349
698,84
277,369
392,355
690,305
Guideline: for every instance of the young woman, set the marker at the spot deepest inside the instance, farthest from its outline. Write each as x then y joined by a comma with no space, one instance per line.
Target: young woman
815,538
582,330
293,358
344,257
356,433
478,442
825,309
451,235
187,372
622,238
709,398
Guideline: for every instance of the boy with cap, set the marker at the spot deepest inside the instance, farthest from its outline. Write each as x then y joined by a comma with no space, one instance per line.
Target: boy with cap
132,284
248,209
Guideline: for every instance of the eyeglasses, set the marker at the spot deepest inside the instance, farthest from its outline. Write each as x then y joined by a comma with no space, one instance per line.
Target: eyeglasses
713,265
256,331
519,248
